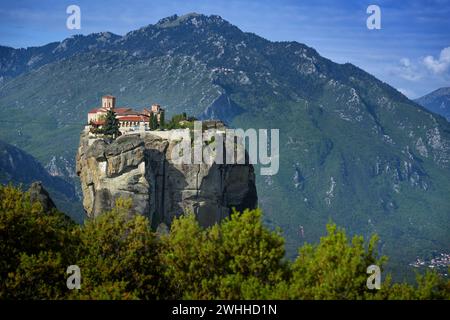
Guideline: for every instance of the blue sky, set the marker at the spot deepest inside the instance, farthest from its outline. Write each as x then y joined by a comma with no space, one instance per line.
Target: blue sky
409,52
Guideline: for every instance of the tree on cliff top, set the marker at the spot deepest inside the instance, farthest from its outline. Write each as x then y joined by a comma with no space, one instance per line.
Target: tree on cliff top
111,126
162,122
153,121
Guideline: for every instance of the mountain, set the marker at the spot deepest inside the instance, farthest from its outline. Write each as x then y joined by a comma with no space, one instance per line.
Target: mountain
352,148
20,168
13,62
437,101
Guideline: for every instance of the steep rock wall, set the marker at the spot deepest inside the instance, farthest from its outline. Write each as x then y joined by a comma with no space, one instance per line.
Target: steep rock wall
139,166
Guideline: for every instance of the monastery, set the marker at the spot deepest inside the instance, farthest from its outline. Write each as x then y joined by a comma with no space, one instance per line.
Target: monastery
129,119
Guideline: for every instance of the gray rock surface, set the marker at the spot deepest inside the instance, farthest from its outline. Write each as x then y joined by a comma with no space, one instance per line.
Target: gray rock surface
39,194
139,166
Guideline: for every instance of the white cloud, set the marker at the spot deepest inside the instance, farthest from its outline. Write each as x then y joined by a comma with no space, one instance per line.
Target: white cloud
439,65
421,69
415,77
405,62
407,70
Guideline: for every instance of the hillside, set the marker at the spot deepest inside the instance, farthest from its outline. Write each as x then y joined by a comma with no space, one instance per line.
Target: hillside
437,101
352,149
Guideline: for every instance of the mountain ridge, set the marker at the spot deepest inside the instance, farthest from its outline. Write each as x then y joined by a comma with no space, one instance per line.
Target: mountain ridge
437,101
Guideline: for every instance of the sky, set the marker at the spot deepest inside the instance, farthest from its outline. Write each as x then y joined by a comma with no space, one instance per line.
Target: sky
411,51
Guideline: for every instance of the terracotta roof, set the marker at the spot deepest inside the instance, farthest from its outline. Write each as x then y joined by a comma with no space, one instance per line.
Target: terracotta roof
116,110
108,96
133,118
125,113
124,110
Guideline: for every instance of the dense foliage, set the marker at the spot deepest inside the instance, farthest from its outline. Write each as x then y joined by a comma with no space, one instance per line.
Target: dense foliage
180,121
35,248
120,257
153,122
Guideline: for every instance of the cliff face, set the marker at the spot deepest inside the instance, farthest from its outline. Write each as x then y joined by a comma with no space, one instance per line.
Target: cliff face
139,166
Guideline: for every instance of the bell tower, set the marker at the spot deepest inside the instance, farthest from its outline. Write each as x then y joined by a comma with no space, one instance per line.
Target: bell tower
108,102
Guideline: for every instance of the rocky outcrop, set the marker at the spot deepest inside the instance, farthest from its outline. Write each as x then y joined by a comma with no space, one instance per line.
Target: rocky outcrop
139,166
39,194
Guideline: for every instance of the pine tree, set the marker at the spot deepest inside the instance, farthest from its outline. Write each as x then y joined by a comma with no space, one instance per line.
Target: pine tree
111,126
155,121
161,120
152,121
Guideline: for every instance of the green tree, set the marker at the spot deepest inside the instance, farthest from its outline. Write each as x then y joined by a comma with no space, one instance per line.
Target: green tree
238,258
111,126
162,122
335,268
116,290
428,286
153,121
38,276
35,248
150,122
118,253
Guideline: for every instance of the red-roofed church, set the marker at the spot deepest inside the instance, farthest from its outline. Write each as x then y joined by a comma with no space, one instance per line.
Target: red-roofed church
129,119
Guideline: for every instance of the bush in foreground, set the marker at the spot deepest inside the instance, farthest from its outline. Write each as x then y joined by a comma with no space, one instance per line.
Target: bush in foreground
120,257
